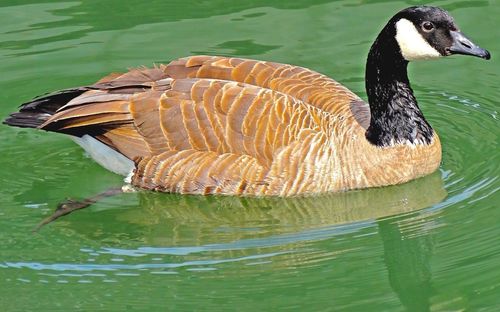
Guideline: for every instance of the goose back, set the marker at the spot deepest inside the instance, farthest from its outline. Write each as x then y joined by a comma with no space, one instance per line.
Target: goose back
217,125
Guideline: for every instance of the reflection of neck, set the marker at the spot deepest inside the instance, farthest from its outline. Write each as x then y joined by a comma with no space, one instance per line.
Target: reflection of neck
395,115
407,262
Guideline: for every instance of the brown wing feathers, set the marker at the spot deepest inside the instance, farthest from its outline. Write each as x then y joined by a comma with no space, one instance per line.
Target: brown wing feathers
207,124
230,135
301,83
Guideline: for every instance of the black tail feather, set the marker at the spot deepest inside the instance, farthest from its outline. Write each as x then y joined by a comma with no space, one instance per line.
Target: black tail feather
34,113
26,119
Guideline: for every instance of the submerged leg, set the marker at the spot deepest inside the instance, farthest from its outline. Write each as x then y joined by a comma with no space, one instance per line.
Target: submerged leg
70,205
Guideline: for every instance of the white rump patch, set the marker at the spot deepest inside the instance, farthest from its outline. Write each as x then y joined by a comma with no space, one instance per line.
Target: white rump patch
105,155
413,46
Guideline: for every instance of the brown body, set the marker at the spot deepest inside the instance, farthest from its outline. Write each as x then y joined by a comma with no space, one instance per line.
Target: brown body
216,125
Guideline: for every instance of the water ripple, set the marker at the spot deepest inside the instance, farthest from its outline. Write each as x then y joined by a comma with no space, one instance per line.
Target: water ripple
119,267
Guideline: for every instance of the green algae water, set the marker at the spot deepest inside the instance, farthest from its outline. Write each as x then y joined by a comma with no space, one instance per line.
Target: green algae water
428,245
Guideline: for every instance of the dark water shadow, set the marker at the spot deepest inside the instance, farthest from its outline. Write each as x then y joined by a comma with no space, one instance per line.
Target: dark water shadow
407,261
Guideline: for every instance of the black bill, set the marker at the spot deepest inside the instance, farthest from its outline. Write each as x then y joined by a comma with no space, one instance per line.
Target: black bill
462,45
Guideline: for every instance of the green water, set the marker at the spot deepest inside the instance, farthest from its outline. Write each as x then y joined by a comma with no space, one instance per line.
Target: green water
432,244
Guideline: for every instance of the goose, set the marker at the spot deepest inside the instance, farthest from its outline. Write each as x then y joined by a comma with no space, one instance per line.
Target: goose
234,126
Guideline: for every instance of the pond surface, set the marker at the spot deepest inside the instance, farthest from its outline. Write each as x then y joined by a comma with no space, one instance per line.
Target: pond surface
432,244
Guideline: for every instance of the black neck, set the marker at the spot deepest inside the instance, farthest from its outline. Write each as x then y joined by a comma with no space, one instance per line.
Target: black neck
395,115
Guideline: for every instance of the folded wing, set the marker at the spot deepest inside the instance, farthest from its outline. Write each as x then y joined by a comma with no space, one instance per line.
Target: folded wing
206,124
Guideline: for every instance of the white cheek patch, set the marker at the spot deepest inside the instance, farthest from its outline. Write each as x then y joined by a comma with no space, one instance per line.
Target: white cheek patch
413,46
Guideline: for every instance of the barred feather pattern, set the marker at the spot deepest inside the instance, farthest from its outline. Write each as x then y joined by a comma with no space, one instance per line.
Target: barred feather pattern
218,125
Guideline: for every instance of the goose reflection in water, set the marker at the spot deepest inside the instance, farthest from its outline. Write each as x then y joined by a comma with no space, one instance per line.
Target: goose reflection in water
244,226
160,216
279,228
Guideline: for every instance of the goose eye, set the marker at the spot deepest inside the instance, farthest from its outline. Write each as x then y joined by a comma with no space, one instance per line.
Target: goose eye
427,26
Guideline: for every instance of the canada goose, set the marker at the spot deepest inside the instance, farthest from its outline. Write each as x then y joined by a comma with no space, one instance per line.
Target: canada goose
220,125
